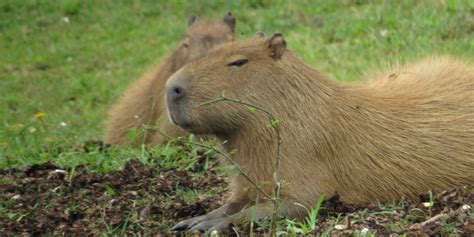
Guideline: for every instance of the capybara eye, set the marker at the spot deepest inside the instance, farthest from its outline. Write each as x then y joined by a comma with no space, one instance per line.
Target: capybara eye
238,63
185,45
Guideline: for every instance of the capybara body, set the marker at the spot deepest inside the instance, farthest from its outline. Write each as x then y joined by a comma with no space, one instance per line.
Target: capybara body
407,130
142,103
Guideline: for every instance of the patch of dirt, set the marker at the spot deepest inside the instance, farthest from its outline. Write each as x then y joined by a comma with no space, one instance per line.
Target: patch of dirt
450,214
46,199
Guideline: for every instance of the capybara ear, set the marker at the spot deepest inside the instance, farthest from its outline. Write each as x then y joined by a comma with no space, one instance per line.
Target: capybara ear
230,21
191,20
277,45
259,34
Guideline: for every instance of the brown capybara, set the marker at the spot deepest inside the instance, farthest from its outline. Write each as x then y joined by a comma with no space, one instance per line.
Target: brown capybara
406,131
142,103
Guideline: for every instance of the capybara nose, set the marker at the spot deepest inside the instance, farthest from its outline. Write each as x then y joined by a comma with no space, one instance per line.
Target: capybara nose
175,93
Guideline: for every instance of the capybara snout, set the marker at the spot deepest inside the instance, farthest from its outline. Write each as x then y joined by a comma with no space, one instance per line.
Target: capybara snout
175,99
175,93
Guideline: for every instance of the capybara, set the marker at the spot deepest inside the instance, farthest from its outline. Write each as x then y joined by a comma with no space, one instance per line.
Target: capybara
408,130
142,103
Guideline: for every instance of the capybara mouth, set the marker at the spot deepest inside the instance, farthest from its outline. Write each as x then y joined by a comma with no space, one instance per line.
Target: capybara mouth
186,126
169,114
176,117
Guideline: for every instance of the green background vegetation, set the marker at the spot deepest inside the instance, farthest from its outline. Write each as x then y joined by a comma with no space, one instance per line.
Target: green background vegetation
72,59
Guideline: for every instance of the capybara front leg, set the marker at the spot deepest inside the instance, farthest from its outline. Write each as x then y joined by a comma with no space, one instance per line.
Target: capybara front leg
253,213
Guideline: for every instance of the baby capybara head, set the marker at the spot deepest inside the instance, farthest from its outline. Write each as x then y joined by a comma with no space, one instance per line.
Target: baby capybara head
240,70
202,35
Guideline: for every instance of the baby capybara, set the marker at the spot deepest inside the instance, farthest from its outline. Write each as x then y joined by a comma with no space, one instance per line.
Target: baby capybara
407,130
142,103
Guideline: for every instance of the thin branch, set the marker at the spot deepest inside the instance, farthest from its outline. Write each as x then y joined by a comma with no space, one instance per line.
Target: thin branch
224,154
273,124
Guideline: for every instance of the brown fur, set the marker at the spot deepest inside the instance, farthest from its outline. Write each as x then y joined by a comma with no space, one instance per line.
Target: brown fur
408,130
142,103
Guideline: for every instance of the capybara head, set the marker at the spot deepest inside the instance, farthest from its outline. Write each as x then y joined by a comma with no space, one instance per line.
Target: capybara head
202,35
237,69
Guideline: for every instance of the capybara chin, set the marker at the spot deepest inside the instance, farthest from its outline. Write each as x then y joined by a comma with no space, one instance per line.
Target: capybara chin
408,130
142,103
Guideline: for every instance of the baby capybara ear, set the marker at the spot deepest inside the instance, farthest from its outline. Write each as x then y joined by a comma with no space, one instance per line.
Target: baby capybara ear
191,20
277,45
230,21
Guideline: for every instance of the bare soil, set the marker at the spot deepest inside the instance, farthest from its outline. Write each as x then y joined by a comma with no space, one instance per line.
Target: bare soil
47,199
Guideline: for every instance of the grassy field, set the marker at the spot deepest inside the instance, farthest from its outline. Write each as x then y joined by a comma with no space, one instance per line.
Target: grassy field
71,59
63,63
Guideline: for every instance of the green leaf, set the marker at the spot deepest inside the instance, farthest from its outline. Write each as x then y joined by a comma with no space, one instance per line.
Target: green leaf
273,123
251,108
110,190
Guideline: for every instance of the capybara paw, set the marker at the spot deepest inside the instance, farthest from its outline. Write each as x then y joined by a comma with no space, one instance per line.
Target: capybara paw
188,223
208,226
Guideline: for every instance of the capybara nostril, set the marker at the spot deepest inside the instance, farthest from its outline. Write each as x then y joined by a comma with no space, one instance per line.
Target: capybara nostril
175,93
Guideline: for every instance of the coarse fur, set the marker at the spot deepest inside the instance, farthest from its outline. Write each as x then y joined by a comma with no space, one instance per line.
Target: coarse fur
405,131
142,103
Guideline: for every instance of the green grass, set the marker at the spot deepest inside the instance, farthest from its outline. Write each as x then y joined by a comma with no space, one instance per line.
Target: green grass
71,59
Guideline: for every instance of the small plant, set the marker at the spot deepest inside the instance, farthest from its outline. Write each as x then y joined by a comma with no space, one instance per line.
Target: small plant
273,124
109,190
431,202
309,224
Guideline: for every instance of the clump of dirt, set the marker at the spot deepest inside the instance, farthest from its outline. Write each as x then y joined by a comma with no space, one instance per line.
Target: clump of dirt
47,199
